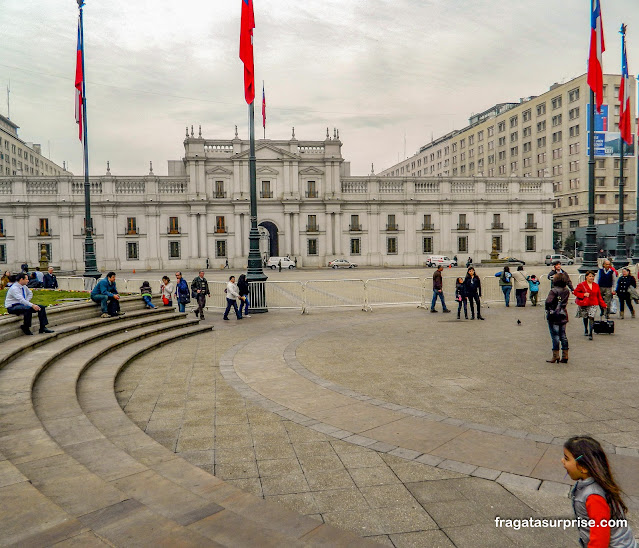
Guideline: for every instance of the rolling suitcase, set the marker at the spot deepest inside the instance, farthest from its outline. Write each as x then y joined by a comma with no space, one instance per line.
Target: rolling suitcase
604,327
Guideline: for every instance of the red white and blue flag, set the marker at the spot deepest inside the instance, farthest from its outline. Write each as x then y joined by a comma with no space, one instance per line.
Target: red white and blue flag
597,47
624,94
263,107
78,83
246,49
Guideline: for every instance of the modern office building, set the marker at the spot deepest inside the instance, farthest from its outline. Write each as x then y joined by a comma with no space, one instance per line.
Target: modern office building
541,136
309,207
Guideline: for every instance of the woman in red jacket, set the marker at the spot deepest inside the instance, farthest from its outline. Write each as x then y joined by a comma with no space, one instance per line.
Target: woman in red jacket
589,300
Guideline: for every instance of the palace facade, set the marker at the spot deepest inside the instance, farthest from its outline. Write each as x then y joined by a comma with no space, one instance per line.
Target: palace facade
309,207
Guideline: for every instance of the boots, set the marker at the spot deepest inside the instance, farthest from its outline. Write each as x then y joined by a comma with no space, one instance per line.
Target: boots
632,313
621,314
564,356
555,357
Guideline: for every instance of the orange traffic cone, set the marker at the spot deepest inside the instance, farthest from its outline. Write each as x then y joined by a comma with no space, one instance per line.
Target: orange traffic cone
134,271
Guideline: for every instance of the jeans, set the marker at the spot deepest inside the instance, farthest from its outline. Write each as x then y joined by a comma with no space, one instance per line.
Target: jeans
201,303
464,302
474,300
27,312
103,301
231,303
245,304
533,297
181,307
558,334
506,291
438,293
520,295
147,301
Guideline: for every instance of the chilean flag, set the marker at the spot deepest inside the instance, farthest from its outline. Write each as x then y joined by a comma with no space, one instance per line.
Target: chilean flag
78,83
246,49
597,47
624,94
263,107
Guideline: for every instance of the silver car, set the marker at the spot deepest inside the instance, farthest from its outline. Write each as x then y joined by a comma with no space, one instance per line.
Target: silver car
341,263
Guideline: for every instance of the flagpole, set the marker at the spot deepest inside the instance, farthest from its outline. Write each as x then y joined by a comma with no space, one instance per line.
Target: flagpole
621,259
635,257
90,264
590,249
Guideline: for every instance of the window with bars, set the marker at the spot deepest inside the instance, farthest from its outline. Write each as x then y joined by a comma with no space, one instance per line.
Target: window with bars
391,246
356,248
174,250
132,251
220,248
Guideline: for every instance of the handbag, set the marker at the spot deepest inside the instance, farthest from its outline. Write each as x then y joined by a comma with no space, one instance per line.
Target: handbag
614,306
165,300
634,295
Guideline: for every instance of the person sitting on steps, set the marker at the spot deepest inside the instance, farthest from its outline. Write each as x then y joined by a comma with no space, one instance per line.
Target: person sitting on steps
18,302
105,293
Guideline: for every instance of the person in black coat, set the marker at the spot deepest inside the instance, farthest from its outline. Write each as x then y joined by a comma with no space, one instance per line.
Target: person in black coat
50,281
472,288
624,283
460,297
243,289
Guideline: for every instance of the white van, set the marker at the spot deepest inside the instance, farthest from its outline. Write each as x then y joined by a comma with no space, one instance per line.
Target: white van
436,260
274,262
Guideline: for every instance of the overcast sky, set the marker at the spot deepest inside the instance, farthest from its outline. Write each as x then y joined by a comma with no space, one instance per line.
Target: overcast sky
385,72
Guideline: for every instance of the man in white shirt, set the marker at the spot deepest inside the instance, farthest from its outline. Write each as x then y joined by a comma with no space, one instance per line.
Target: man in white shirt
18,302
232,294
39,275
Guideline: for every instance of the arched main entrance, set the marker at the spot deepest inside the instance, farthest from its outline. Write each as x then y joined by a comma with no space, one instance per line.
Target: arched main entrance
273,238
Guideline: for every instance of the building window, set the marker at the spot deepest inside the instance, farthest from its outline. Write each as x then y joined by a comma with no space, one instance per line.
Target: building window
527,146
391,223
527,131
266,189
311,191
541,109
131,226
527,162
531,243
220,248
573,113
557,170
574,224
600,181
391,246
526,115
502,141
556,137
501,127
312,246
541,142
556,120
3,253
491,131
514,136
174,227
556,102
618,164
497,221
502,155
311,223
44,228
174,250
625,198
132,251
514,151
427,245
496,243
573,95
574,131
220,225
480,135
574,166
502,170
601,198
2,232
556,153
462,224
219,189
541,126
356,246
355,223
462,244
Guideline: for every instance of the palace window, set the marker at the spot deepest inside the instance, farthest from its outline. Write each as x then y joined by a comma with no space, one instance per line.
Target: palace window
312,246
220,248
531,243
219,189
44,227
266,191
311,191
174,227
3,253
356,248
2,232
391,246
462,244
132,251
131,226
427,244
220,225
174,250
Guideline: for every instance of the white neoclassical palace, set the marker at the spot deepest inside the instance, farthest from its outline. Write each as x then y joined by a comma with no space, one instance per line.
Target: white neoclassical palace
309,207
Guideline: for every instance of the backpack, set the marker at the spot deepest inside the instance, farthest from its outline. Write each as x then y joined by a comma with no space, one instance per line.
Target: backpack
558,314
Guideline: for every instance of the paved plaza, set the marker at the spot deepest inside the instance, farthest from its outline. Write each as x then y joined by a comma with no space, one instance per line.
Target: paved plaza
405,427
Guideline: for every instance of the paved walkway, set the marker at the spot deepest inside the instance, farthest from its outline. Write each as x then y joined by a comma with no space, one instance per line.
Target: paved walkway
410,428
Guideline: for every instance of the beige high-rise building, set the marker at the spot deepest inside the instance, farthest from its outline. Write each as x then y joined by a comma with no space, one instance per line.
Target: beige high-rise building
20,158
539,136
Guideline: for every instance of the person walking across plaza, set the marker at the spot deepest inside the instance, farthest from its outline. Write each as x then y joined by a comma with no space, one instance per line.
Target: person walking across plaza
243,290
472,288
105,293
438,290
606,279
624,283
232,295
18,302
533,285
505,283
200,290
556,269
557,317
166,289
520,280
588,300
596,497
181,292
460,297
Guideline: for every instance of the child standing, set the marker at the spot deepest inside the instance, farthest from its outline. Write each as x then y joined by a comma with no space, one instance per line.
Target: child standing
145,289
596,496
460,297
533,285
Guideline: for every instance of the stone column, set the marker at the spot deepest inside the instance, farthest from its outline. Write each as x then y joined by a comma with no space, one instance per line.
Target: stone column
338,233
153,260
193,237
203,239
328,246
296,237
287,235
410,236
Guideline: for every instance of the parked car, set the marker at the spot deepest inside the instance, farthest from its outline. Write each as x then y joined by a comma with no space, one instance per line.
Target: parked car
273,262
514,260
436,260
550,259
341,263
